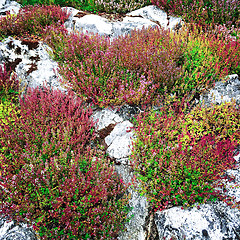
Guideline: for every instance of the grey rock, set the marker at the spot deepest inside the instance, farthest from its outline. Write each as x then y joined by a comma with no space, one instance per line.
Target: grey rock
2,3
138,205
213,221
33,65
155,14
144,17
13,231
223,91
11,6
128,24
119,130
104,118
128,112
123,150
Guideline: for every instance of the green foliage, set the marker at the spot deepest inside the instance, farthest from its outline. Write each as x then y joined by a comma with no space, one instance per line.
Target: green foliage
31,20
67,191
204,12
6,107
179,161
222,121
94,6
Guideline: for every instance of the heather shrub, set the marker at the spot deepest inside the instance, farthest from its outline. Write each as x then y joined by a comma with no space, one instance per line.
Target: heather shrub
108,6
117,73
224,49
56,181
223,121
137,69
205,13
227,54
207,58
178,166
9,86
153,53
73,48
117,6
31,20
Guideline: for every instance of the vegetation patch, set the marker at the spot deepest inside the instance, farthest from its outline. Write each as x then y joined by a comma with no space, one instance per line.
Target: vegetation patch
180,159
55,180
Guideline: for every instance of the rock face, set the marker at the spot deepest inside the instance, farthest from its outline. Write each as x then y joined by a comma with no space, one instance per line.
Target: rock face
31,61
144,17
32,64
226,91
210,221
11,230
9,6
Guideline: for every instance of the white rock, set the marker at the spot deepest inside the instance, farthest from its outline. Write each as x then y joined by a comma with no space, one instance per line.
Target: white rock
121,146
118,131
105,118
155,14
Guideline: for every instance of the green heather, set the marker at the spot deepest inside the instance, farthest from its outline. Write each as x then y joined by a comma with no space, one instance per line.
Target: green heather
53,174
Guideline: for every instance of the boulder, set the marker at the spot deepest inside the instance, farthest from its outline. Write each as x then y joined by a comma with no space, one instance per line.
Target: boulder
209,221
31,62
9,6
33,65
144,17
227,90
11,230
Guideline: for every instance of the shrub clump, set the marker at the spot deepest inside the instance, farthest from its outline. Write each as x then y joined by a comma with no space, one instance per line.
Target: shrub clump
140,68
32,20
204,13
181,161
49,176
111,74
117,6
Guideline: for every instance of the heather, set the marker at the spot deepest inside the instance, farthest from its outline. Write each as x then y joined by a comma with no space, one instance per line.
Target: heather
67,188
52,178
140,69
203,13
108,6
31,20
180,158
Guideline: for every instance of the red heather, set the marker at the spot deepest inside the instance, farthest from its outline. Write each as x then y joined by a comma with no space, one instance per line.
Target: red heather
49,175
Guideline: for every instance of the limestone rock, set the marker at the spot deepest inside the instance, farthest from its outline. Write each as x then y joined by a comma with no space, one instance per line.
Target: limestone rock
144,17
105,117
11,6
120,130
31,62
11,230
213,221
138,205
155,14
223,91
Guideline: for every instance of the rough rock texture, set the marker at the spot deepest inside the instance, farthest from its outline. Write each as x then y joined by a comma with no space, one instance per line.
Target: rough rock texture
32,64
144,17
210,221
13,231
9,6
223,91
